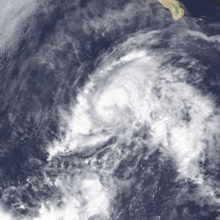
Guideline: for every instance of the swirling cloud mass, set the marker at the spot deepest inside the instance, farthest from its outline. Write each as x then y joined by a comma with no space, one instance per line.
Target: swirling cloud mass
125,115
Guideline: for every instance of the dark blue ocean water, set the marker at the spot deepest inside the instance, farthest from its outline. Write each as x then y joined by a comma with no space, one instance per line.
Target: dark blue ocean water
202,9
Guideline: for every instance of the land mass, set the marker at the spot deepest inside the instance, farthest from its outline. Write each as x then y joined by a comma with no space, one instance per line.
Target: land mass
174,7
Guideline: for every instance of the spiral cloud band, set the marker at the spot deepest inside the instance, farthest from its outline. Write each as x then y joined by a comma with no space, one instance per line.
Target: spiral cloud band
139,101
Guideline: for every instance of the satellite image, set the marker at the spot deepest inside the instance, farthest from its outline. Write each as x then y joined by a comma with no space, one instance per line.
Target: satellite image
110,110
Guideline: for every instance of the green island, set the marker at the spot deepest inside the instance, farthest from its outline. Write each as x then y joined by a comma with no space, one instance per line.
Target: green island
174,7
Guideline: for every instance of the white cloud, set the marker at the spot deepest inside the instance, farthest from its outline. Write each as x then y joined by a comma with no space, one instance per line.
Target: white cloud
138,93
84,197
13,16
4,215
200,35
